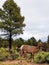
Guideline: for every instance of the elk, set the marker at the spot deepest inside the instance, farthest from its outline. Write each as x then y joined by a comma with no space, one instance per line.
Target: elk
29,49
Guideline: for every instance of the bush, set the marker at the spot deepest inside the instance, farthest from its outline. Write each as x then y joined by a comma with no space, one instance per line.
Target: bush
39,57
9,57
14,54
13,50
3,54
47,57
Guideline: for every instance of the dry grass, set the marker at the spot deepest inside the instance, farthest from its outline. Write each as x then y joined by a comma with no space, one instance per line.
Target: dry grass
19,62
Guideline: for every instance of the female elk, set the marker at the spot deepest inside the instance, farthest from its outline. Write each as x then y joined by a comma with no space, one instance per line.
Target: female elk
30,49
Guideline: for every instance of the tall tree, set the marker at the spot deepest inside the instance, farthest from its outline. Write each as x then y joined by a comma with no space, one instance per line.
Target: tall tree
48,39
34,41
18,42
11,20
31,41
47,44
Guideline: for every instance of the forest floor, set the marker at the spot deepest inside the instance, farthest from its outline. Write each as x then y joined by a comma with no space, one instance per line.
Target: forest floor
19,62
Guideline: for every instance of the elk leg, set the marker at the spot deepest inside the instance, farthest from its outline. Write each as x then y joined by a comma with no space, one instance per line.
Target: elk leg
24,53
21,53
32,55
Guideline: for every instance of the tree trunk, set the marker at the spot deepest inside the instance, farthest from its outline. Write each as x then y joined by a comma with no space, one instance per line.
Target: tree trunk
10,42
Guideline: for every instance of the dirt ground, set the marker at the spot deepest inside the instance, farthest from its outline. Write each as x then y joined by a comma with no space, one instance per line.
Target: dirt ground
19,62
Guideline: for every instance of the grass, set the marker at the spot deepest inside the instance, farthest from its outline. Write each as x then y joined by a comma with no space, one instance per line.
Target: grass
17,62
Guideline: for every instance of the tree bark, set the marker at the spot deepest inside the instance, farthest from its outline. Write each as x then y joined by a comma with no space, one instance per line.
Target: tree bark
10,42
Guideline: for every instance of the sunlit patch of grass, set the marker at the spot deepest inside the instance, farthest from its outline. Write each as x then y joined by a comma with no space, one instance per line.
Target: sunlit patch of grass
15,64
4,64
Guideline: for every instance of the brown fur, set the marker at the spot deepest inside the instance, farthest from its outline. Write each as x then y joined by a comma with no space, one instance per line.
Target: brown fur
30,49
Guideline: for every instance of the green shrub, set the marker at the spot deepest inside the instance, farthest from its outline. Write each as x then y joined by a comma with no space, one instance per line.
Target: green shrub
13,50
9,57
39,57
3,54
47,57
14,56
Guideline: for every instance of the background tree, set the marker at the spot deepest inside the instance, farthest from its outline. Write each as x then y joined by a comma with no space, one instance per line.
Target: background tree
39,40
31,41
3,43
11,21
18,42
48,39
47,44
44,46
34,41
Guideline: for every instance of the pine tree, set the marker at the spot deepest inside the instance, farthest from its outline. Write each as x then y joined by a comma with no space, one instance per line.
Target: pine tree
11,20
48,39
